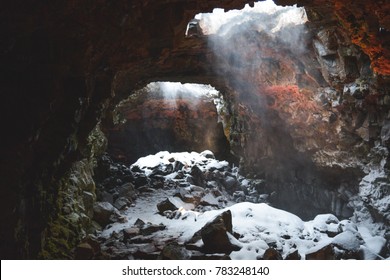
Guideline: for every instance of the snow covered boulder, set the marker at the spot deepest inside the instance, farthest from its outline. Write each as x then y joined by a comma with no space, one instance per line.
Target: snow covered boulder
207,154
321,253
348,245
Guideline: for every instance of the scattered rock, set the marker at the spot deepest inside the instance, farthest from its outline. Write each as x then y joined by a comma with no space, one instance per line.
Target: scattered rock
272,254
146,189
121,203
103,213
293,256
166,205
323,253
139,223
209,200
140,239
148,229
141,180
197,176
174,251
126,190
107,197
130,233
84,251
147,252
214,234
229,182
178,166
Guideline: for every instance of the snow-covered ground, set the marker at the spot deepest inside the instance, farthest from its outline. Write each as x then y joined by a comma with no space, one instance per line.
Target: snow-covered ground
258,225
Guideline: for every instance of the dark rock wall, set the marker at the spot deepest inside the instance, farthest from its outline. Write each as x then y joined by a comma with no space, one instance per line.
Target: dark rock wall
64,64
58,61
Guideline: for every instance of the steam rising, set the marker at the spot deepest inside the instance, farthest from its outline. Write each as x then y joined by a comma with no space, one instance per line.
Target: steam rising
284,25
250,43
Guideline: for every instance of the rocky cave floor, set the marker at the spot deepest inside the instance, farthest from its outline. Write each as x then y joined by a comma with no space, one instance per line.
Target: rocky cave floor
192,206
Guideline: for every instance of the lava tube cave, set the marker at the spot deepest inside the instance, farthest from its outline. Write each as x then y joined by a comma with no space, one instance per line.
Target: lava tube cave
195,130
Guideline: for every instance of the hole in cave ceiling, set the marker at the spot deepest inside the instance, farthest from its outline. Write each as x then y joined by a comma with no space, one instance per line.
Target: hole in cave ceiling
263,16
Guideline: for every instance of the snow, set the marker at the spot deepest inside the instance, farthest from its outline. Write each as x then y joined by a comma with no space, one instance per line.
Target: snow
148,163
258,225
348,240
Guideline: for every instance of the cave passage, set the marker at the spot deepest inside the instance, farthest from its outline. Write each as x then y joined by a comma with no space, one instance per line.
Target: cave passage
177,137
168,116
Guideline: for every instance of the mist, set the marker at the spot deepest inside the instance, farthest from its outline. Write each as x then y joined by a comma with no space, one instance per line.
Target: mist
237,36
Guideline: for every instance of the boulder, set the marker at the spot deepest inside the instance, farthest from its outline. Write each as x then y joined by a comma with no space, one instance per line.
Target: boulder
348,244
129,233
215,234
103,212
166,205
198,178
229,182
141,180
272,254
323,253
121,203
293,256
84,251
126,190
178,166
174,251
148,228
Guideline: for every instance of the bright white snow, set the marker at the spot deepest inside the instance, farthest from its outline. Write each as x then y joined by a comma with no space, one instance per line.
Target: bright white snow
258,224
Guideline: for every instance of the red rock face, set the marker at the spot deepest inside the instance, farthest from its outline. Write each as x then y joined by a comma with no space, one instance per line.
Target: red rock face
367,24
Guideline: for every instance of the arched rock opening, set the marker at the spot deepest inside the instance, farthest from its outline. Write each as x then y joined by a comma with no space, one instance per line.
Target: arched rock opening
173,117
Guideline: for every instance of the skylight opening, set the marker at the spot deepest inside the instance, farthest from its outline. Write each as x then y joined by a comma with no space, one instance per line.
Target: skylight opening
220,22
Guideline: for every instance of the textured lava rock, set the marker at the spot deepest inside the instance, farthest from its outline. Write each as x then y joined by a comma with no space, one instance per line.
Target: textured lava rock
174,251
103,213
214,234
272,254
324,253
166,205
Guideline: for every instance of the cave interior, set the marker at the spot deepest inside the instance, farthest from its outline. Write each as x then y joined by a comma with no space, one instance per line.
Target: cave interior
195,129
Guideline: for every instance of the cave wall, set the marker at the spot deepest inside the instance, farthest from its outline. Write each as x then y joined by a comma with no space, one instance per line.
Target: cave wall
306,119
58,62
66,64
